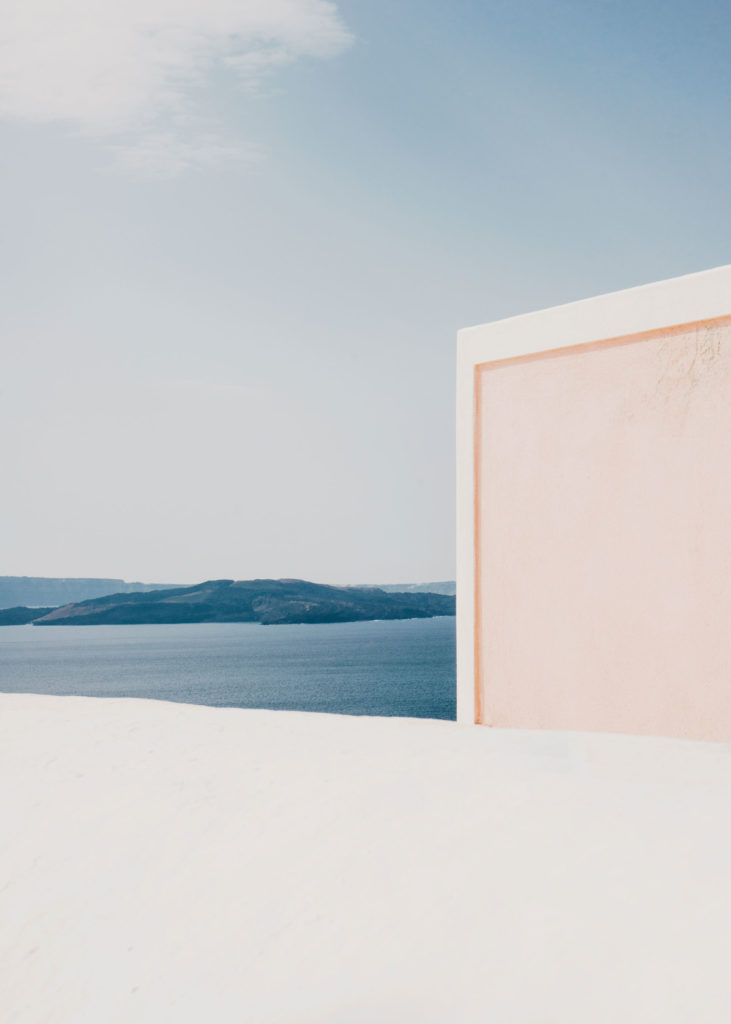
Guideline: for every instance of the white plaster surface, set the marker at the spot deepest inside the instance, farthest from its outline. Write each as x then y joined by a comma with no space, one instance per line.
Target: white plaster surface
164,862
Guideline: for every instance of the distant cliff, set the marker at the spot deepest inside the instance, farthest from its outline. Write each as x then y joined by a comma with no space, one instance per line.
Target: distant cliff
443,587
265,601
35,591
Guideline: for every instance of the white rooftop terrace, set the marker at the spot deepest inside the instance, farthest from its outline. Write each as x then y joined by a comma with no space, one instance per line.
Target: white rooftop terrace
164,862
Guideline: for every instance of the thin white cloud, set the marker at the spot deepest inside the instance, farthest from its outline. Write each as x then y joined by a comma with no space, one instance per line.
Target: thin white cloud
165,154
129,70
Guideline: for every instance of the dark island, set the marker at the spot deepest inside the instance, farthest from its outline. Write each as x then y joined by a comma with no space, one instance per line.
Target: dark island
269,602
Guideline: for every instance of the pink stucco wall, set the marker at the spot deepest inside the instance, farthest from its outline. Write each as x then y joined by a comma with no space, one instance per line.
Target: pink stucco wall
603,534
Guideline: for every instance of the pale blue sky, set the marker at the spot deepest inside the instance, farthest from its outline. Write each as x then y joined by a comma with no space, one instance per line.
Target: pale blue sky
234,271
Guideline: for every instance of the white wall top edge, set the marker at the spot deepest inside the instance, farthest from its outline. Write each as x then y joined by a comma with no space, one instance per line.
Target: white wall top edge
680,300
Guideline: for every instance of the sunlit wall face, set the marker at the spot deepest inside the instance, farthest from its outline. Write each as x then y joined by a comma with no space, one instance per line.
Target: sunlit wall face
603,535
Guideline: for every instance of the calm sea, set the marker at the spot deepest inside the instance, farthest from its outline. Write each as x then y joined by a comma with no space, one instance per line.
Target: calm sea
402,667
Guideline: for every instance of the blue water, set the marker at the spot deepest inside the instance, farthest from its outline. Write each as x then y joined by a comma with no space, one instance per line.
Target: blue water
402,667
